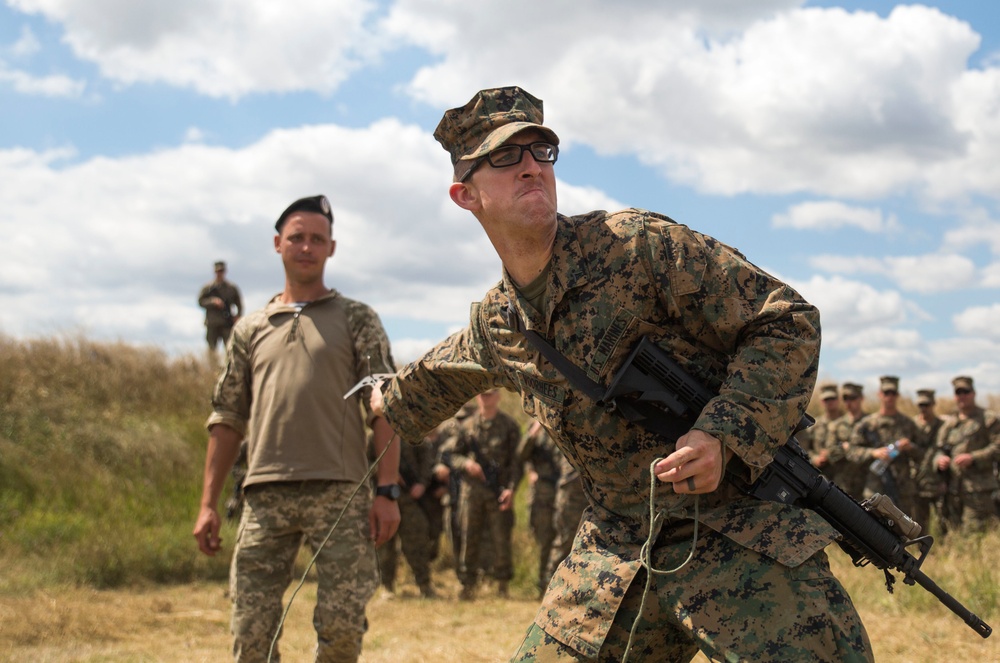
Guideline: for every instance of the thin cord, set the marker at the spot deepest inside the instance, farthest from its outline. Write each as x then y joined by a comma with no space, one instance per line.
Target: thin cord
312,562
646,552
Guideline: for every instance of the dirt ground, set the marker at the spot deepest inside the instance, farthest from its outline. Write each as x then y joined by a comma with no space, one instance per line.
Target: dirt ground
190,624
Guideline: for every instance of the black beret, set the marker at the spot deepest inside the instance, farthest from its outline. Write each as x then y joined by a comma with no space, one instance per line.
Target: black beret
318,204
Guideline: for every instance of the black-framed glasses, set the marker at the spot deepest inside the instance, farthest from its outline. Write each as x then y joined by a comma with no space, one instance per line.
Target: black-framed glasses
962,392
511,155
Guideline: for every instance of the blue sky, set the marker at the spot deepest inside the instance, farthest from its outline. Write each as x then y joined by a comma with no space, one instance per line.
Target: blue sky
852,148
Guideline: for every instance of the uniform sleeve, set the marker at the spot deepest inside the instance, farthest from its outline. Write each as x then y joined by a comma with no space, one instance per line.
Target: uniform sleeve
769,335
431,389
372,352
231,398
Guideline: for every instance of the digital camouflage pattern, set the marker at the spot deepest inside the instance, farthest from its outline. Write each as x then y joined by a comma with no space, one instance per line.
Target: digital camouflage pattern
846,474
570,503
880,430
276,519
486,122
538,450
614,278
931,484
493,444
972,487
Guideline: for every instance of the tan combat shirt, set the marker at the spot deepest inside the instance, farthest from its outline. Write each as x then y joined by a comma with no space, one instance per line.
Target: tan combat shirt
287,370
613,279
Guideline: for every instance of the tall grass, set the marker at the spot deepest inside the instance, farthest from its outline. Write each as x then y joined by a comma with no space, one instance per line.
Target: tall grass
101,456
101,448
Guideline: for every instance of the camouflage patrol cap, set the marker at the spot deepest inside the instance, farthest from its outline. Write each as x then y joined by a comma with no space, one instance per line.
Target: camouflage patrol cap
963,382
925,397
489,120
219,265
467,410
888,383
852,390
318,204
827,390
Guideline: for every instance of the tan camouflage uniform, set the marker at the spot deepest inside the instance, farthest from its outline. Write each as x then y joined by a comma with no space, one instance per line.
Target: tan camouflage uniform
540,451
878,430
614,278
931,484
493,444
284,379
972,493
571,502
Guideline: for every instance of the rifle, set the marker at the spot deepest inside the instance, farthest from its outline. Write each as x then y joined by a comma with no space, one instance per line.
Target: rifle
491,470
652,390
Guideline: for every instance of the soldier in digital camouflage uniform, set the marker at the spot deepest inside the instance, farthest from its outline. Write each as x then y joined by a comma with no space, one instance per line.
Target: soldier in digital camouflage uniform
446,436
486,457
223,307
931,483
814,439
571,501
540,452
891,437
846,474
287,369
968,446
758,587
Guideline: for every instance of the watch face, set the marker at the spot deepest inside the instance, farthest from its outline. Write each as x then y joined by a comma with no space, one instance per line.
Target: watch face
391,491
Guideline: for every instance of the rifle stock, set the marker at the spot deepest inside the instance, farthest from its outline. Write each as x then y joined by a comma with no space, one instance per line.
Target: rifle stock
651,385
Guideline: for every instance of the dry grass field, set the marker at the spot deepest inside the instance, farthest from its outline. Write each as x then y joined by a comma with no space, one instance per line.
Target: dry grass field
190,624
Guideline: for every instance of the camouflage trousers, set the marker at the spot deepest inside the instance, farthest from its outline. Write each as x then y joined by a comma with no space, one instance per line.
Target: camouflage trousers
732,604
479,513
543,528
277,518
414,537
571,502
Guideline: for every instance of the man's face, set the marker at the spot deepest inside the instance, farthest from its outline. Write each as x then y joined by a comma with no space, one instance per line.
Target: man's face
832,406
853,404
965,399
304,245
889,398
220,274
524,193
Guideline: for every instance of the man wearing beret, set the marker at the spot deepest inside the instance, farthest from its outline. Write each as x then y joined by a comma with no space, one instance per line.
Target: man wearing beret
287,369
593,285
223,307
967,448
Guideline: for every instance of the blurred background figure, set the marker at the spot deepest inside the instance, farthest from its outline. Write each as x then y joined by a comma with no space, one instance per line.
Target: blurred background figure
223,307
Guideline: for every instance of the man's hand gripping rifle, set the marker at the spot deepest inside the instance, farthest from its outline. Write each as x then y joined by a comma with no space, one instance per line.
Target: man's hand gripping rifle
650,389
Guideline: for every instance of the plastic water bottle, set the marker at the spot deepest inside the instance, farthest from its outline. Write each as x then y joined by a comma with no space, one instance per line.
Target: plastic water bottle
879,466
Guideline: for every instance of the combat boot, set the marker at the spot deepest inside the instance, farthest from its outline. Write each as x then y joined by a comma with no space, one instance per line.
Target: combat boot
427,591
502,590
468,593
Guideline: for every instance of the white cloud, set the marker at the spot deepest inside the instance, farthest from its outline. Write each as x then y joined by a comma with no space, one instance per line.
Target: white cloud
981,321
26,45
790,100
833,215
847,306
929,273
55,85
221,48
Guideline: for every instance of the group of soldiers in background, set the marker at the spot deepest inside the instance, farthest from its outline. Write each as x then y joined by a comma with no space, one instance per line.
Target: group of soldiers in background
460,482
925,463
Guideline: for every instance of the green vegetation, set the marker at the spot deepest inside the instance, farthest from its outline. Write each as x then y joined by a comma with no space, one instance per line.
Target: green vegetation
101,455
101,449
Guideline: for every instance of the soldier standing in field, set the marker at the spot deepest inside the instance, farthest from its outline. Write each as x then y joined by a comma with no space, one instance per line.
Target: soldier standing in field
885,443
968,446
486,457
814,439
590,287
931,483
571,501
223,307
540,452
846,474
288,366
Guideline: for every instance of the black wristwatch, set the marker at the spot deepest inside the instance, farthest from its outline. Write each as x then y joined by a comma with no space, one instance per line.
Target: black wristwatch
391,491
